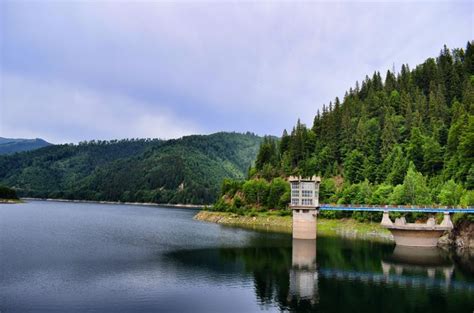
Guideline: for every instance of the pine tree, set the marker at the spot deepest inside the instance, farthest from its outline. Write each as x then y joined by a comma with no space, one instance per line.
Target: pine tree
353,167
415,148
421,116
389,134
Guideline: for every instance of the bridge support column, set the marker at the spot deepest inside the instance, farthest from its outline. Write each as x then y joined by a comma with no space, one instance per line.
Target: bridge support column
386,221
447,220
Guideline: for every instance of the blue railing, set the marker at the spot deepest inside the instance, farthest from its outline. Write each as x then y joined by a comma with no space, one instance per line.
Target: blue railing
395,208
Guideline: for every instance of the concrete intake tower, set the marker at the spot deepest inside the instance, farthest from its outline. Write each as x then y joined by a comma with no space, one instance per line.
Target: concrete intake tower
304,204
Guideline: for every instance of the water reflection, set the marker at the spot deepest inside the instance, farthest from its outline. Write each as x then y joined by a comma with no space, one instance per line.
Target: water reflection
303,272
430,262
57,257
337,276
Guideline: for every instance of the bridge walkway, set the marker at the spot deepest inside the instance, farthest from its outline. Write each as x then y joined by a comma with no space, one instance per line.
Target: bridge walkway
394,208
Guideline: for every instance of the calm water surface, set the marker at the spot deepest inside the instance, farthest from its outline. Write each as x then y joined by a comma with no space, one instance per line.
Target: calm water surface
68,257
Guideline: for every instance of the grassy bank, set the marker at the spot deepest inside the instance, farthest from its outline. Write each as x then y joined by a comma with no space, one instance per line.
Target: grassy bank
10,201
348,228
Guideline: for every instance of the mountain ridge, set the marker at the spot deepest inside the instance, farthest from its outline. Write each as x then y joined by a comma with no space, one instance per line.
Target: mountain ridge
187,170
13,145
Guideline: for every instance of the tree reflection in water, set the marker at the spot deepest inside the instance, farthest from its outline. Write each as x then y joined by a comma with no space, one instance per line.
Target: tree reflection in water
337,275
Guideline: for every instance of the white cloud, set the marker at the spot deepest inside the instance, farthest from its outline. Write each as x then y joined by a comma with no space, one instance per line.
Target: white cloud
65,113
223,66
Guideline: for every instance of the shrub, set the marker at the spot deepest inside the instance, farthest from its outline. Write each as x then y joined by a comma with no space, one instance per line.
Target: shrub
255,191
7,193
230,187
397,195
382,194
467,198
277,198
451,193
327,190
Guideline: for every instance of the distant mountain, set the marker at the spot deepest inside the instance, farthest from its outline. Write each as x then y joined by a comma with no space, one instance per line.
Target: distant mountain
185,170
10,145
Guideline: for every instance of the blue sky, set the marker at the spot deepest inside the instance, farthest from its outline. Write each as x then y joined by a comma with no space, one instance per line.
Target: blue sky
72,71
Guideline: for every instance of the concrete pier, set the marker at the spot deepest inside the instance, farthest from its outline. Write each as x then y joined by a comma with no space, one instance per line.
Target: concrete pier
304,224
416,235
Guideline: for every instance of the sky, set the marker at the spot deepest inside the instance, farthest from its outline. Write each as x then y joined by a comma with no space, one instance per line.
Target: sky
82,70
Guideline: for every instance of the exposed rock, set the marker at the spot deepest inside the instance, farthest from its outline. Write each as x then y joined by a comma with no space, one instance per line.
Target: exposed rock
462,236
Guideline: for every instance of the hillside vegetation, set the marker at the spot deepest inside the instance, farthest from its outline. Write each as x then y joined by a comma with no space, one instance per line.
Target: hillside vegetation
187,170
7,193
10,146
404,139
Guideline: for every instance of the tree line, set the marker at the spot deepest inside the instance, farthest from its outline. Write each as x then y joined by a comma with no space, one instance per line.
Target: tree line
404,139
187,170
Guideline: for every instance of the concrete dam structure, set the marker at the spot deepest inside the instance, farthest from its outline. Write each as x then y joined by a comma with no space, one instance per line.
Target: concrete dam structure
305,207
417,235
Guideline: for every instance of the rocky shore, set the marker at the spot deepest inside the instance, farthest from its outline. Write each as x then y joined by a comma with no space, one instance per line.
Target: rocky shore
462,235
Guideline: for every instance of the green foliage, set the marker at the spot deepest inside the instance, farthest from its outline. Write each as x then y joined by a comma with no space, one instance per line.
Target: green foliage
279,194
327,191
466,153
396,166
354,166
10,146
237,202
398,195
415,147
451,193
419,116
254,195
230,186
186,170
7,193
267,153
468,198
356,193
415,190
406,141
432,156
381,194
256,192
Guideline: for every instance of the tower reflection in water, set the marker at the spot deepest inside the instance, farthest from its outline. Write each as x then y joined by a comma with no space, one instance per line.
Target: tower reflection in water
304,272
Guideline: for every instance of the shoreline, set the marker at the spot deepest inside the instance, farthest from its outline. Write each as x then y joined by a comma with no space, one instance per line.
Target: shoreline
170,205
345,228
460,239
10,201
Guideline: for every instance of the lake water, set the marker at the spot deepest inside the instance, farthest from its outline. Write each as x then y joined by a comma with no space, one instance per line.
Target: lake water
75,257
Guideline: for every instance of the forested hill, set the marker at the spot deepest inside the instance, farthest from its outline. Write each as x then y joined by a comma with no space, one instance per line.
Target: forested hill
186,170
404,139
10,146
